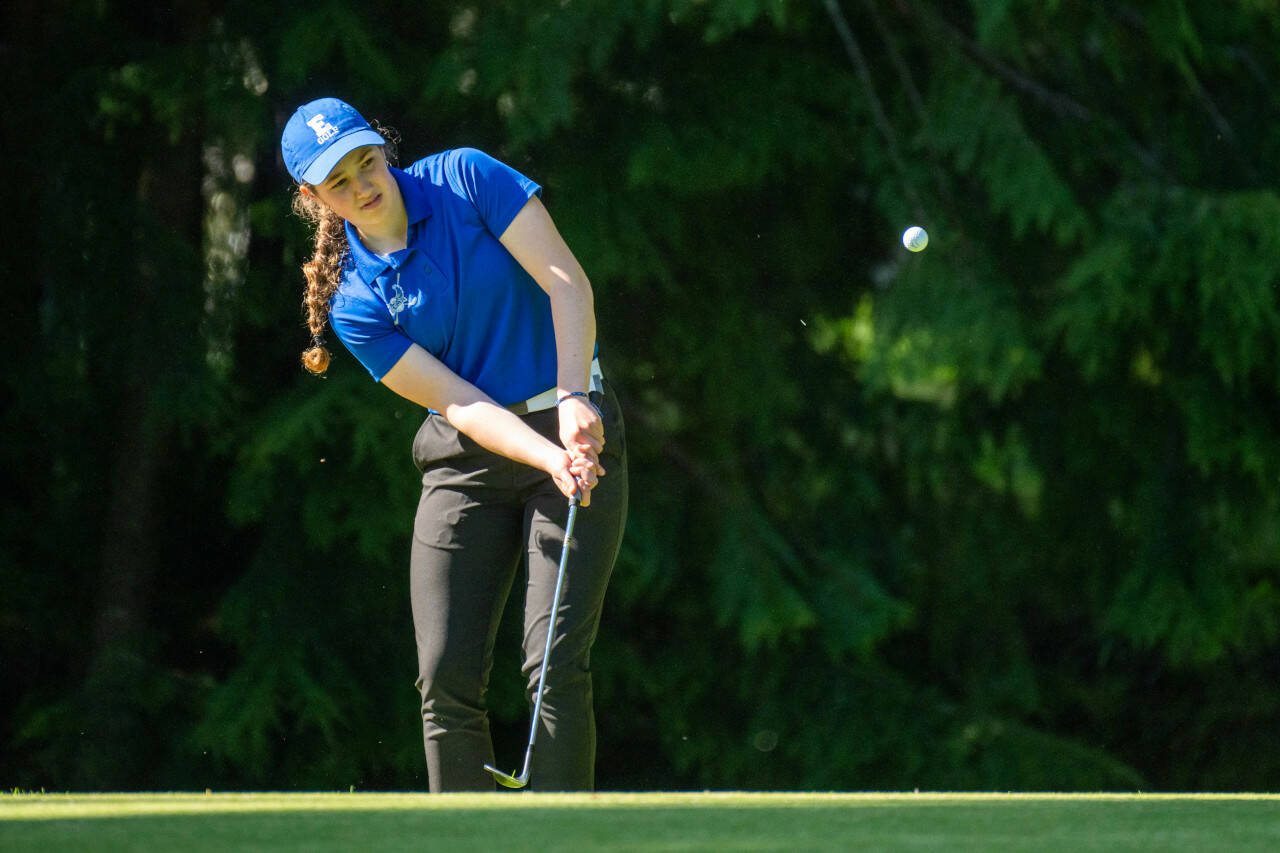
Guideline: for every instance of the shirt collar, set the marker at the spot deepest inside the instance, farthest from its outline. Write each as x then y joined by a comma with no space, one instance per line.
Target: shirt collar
369,265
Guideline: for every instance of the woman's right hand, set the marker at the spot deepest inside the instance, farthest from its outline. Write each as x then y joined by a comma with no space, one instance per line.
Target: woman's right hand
572,475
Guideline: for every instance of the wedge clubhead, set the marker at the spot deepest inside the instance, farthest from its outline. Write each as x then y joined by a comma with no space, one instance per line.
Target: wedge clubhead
508,781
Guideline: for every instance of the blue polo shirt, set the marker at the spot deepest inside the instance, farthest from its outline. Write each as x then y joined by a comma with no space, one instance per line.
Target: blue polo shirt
455,290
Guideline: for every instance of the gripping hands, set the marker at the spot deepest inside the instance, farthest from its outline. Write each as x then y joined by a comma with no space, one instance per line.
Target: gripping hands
582,434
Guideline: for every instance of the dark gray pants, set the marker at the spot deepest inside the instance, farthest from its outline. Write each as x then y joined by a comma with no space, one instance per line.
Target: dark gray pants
478,515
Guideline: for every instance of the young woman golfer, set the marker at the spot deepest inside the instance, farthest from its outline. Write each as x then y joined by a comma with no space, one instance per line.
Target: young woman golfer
449,282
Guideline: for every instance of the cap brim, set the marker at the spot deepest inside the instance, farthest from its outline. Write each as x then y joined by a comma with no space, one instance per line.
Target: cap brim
339,148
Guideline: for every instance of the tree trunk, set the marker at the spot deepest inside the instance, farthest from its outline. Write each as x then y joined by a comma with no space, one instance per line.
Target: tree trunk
122,664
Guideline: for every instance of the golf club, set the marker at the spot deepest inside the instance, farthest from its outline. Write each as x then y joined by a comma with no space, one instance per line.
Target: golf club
520,781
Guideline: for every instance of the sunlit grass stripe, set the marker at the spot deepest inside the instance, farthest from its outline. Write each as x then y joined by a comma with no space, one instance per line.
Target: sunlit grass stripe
32,806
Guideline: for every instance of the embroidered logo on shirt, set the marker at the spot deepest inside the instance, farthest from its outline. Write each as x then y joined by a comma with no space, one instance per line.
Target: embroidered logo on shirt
324,130
399,302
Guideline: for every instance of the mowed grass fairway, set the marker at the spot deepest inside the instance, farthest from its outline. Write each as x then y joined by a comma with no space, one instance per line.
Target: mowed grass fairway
638,822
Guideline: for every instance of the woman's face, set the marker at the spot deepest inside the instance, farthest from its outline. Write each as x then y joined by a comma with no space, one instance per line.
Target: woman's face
360,188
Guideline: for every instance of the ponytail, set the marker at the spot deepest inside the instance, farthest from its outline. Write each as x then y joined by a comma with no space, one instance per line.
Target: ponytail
323,273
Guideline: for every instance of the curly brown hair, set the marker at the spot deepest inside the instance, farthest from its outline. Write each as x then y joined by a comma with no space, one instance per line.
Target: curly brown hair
324,270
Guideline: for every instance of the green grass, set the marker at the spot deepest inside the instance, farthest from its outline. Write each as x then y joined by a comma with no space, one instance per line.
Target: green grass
192,823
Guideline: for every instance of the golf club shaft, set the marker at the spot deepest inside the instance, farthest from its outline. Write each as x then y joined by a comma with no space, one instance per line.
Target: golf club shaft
521,780
551,628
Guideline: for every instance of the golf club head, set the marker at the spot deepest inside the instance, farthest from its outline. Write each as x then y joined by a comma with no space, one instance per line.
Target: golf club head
508,781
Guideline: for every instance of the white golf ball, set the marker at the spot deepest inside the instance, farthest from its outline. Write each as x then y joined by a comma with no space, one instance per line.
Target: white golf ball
915,238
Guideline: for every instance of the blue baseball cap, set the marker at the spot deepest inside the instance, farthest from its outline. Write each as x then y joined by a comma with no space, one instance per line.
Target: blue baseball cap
321,133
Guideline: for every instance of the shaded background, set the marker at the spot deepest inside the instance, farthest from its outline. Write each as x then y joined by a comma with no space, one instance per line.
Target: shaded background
1001,515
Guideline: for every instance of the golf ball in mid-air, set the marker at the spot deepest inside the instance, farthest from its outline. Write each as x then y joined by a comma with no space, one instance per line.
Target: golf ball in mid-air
915,238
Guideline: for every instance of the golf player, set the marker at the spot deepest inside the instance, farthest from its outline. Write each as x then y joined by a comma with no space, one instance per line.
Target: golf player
449,282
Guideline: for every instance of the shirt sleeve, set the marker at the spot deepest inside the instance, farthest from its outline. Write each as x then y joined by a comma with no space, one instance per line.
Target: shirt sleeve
497,191
368,333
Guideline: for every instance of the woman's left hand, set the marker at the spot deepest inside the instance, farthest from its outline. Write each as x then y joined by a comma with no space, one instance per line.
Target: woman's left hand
582,433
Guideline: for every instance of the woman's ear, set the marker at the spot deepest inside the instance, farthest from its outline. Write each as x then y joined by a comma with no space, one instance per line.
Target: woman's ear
306,190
